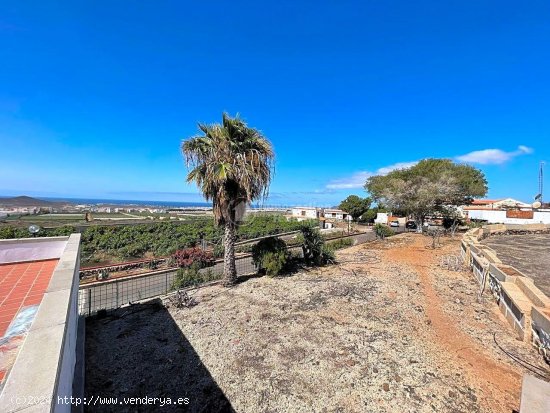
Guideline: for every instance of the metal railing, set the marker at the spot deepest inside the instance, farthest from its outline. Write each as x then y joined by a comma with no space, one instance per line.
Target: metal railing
113,293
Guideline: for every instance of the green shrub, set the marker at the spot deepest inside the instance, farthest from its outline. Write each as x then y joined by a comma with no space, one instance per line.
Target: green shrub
218,250
327,255
190,276
382,231
316,252
340,243
270,256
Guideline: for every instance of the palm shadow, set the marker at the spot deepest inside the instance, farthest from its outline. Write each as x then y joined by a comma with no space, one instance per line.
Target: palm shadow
138,352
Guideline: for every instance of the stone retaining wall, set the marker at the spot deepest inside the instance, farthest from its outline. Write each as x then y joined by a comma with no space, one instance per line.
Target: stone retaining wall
526,307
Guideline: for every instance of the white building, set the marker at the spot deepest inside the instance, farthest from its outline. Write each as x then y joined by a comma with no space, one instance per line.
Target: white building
509,216
498,203
381,218
303,213
334,214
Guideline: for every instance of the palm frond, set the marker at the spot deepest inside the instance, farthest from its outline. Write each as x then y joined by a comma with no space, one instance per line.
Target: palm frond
230,163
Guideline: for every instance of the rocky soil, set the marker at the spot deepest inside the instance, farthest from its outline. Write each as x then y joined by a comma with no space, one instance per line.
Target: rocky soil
387,329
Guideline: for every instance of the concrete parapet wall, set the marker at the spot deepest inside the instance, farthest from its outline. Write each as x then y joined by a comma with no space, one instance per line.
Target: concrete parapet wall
528,287
44,368
541,317
479,265
540,325
526,308
497,272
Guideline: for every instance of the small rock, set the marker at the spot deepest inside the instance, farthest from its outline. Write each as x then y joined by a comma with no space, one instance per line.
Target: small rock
452,394
386,387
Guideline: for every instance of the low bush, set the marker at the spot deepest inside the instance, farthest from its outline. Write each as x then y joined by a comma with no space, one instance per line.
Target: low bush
270,256
340,243
191,276
218,250
382,231
193,256
316,252
327,255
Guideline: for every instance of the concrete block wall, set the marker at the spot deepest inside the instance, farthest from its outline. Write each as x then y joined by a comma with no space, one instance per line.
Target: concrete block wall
526,308
541,330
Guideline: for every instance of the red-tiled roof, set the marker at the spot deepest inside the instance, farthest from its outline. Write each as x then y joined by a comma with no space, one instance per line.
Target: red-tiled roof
484,201
480,208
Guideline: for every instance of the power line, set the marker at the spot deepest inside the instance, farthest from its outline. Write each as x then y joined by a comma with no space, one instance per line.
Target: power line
525,364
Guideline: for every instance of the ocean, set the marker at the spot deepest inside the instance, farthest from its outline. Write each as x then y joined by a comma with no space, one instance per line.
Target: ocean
163,204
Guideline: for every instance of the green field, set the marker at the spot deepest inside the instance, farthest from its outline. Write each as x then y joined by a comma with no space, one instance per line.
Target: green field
111,215
114,241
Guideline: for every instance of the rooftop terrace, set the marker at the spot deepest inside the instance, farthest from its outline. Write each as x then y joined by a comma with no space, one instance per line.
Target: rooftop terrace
38,322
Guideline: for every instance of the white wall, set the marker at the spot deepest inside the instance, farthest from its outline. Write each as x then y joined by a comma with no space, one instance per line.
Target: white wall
381,218
498,217
309,213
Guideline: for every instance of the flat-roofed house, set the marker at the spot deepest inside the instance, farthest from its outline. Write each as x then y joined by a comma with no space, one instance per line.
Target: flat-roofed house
337,214
303,213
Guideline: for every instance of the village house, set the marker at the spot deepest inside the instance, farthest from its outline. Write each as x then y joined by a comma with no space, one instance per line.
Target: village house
328,217
505,211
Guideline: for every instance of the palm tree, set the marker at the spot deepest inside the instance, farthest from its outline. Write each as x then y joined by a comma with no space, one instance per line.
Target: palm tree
232,166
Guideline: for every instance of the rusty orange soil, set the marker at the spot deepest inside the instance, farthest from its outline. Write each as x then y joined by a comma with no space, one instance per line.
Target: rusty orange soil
494,378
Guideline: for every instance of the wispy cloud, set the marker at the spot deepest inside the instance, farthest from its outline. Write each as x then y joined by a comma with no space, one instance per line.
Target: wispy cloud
493,156
482,157
358,179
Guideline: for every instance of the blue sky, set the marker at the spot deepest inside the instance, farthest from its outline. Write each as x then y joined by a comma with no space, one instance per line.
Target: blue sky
96,96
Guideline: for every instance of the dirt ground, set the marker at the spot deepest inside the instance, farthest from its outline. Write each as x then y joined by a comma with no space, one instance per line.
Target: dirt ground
387,329
529,253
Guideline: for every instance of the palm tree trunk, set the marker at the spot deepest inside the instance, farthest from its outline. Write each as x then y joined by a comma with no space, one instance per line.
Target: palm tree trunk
229,269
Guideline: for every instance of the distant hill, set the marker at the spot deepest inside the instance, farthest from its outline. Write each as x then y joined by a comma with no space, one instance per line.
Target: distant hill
27,201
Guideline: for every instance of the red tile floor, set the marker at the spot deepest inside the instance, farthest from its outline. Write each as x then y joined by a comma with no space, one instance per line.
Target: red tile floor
22,284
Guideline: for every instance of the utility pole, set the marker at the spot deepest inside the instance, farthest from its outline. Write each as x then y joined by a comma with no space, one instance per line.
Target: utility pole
539,196
541,181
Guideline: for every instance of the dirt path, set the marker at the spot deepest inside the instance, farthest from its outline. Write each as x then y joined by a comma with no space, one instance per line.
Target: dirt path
481,369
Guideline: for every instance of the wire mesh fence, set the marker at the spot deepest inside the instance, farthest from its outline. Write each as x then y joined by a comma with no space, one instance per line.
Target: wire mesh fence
114,293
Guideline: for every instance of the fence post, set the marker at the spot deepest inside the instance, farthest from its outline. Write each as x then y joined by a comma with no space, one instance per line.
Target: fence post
116,295
166,282
89,301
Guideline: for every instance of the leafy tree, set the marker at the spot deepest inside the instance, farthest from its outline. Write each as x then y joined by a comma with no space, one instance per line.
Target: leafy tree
370,214
231,164
451,218
427,187
355,206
